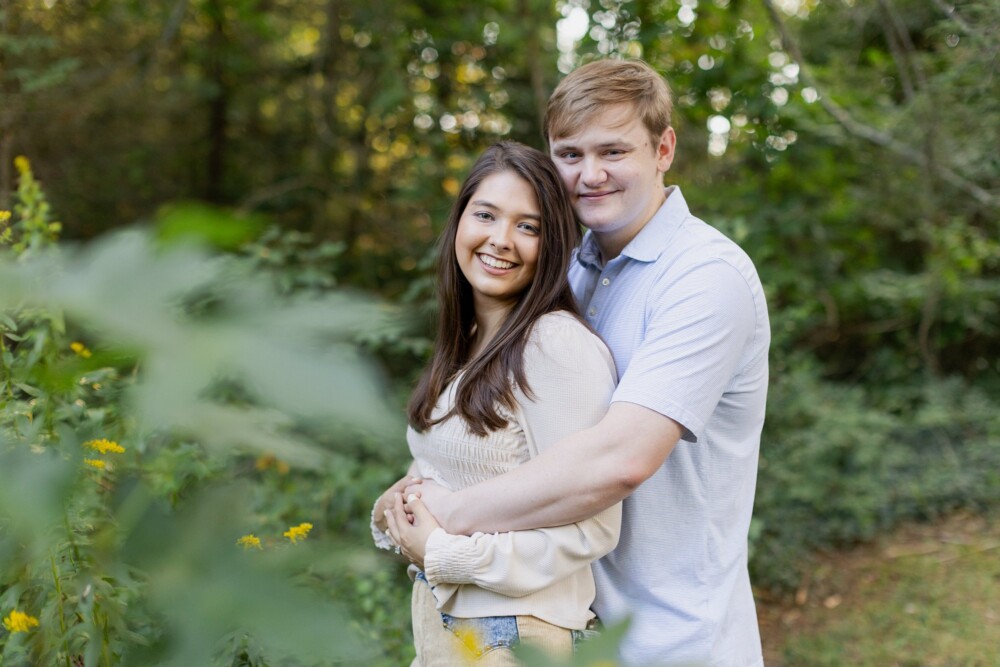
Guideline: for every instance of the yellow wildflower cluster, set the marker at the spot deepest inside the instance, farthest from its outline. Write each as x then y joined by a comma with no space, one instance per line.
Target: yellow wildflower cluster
250,541
266,461
80,349
104,446
22,165
4,216
18,621
295,534
299,532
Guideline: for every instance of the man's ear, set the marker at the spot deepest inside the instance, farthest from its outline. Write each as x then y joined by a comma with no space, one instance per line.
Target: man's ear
665,150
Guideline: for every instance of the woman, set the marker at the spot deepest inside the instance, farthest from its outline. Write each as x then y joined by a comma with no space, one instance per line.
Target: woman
514,370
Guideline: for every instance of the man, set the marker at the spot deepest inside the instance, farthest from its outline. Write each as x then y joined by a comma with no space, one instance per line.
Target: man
684,314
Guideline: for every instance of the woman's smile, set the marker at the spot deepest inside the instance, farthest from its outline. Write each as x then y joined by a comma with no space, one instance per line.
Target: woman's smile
497,241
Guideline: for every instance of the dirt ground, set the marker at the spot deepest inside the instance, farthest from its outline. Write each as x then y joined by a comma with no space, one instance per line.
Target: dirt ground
842,583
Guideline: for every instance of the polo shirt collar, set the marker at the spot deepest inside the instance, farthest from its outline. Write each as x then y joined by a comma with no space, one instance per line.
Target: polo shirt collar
651,240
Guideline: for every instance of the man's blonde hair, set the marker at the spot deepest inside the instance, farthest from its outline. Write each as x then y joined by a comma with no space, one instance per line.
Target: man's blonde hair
592,88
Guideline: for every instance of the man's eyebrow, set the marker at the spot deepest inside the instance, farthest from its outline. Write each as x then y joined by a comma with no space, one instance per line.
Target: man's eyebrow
618,143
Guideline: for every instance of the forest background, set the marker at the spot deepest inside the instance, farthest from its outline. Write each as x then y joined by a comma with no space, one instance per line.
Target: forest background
218,219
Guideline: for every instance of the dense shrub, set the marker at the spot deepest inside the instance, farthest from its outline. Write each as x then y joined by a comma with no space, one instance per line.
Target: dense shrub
840,464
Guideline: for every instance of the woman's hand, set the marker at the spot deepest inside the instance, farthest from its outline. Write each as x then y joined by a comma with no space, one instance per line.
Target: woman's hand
386,500
410,526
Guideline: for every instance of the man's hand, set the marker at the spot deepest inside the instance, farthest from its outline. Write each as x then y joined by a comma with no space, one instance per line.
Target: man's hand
436,499
411,538
387,499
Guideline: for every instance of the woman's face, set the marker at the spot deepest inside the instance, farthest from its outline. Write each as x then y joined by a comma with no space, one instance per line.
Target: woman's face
498,238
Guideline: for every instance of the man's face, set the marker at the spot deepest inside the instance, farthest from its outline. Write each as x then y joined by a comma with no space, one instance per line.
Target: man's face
613,171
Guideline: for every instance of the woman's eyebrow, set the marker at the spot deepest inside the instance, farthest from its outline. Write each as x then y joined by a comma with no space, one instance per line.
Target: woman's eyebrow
483,202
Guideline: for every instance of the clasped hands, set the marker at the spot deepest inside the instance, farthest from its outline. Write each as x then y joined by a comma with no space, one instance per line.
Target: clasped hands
400,512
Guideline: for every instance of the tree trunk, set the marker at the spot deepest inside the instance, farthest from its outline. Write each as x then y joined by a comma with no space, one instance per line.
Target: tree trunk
219,106
7,116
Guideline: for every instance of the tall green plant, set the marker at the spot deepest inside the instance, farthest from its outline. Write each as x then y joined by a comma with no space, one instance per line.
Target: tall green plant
120,445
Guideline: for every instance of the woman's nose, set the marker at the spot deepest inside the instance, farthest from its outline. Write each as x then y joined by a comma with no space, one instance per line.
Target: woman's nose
500,237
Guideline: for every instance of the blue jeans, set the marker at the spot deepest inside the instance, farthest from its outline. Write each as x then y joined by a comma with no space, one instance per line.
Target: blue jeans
443,639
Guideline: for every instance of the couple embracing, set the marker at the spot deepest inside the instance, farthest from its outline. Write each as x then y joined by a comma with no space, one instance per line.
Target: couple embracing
585,436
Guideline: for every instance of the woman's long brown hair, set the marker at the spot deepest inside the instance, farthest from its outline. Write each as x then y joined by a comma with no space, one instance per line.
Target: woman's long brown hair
486,383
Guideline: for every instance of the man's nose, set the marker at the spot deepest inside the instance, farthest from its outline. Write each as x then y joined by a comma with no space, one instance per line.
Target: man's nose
593,172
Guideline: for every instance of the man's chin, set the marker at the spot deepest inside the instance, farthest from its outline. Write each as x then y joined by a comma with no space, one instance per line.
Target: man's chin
596,224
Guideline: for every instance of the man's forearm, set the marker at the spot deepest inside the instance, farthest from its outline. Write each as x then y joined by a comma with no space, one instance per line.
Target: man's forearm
574,479
555,488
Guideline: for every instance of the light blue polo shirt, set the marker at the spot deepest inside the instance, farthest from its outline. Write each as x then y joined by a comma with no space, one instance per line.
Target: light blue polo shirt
684,314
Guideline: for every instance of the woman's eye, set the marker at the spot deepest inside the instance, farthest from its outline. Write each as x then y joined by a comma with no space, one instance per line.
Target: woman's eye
483,215
529,227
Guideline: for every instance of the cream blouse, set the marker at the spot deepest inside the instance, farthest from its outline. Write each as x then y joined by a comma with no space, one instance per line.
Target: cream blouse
543,573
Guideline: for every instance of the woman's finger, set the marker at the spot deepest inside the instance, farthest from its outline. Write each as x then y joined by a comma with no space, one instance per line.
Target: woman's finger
403,520
380,509
414,507
393,529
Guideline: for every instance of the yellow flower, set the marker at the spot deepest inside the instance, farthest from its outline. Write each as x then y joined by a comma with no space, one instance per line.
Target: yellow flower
4,216
299,532
472,646
104,446
96,463
18,621
250,541
266,461
80,349
22,165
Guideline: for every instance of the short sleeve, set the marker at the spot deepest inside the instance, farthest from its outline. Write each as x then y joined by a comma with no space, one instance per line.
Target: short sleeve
698,331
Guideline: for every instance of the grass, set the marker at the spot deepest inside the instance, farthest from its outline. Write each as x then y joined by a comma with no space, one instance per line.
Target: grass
926,596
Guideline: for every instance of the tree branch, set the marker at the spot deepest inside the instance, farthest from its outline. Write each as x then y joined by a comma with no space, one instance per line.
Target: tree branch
899,46
949,10
869,133
273,191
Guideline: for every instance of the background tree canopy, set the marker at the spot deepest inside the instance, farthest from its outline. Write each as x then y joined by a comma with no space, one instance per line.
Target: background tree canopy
850,146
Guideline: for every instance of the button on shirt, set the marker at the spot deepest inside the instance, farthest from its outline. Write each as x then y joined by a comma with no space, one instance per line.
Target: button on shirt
685,317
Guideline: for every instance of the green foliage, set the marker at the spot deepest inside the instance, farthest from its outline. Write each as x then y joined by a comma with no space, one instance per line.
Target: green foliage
128,555
33,230
840,465
856,164
204,224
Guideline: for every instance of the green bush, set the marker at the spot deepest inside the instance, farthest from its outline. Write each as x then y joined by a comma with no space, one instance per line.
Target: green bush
158,402
840,464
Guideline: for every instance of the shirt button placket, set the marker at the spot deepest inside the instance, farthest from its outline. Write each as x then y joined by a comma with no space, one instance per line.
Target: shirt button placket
597,299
